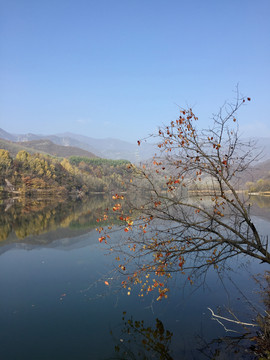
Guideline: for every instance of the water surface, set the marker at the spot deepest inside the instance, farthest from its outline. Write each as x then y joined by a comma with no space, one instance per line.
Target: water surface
54,302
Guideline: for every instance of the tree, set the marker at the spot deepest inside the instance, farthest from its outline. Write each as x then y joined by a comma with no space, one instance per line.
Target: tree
23,157
5,160
190,214
5,165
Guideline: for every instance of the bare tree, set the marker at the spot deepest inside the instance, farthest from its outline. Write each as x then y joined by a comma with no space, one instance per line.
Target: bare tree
188,211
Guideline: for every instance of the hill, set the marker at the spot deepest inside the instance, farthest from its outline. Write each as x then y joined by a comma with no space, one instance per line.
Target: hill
7,136
13,147
44,147
106,148
111,148
48,147
258,171
257,178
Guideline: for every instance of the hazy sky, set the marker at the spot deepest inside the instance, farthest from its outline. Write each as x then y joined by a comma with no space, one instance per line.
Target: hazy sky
120,68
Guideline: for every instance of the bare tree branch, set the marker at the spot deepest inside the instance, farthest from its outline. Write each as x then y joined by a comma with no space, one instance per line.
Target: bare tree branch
185,210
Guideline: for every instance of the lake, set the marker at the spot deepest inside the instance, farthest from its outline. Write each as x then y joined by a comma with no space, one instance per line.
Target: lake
55,305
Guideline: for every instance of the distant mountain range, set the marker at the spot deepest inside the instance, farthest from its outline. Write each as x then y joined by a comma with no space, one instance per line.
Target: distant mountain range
43,146
106,148
49,147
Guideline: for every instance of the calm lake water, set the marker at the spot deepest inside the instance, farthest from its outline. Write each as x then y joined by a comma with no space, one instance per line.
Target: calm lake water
55,305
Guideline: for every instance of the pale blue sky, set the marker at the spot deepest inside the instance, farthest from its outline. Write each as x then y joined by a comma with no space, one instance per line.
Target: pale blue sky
119,68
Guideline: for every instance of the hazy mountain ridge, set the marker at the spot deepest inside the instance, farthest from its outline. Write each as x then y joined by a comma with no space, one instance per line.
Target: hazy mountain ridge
106,148
109,147
112,148
43,146
14,147
49,147
7,136
260,170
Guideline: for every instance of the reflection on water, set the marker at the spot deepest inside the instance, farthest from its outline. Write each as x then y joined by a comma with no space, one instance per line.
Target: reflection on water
56,304
25,217
261,201
141,341
260,206
228,347
138,340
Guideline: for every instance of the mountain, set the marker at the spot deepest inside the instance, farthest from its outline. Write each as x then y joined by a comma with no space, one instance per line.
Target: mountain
7,136
43,146
260,170
48,147
14,148
112,148
105,148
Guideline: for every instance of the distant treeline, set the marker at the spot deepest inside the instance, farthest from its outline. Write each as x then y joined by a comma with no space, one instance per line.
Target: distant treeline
261,185
76,160
28,173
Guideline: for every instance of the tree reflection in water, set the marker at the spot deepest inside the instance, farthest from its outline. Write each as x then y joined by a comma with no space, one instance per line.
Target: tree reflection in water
139,341
26,217
251,343
228,347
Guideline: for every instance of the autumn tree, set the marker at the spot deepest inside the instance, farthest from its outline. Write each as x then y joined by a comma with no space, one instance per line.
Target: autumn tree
5,164
186,212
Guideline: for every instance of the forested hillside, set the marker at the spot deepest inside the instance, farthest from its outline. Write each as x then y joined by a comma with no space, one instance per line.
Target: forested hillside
37,173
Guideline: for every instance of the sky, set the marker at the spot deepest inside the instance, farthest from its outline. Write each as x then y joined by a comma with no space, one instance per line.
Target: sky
121,68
